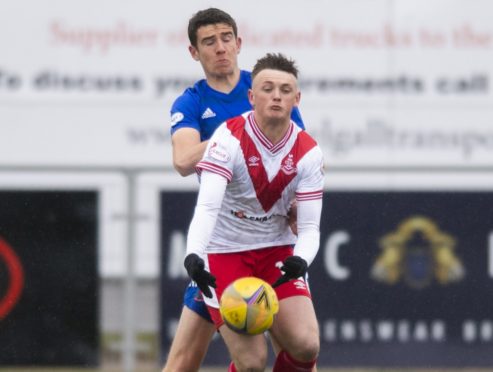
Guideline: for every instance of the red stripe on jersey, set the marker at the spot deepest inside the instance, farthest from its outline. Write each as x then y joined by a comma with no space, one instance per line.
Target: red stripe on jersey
313,195
214,168
268,193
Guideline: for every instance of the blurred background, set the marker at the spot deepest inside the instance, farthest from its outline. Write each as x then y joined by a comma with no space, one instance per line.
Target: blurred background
93,217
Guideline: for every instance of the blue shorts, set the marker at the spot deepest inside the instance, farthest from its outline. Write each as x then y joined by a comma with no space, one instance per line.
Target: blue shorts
194,301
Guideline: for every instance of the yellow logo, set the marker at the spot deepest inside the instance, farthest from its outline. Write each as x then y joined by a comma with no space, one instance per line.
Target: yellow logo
417,252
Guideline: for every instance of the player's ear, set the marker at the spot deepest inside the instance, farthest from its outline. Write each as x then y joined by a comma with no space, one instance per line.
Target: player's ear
193,52
238,45
298,98
250,98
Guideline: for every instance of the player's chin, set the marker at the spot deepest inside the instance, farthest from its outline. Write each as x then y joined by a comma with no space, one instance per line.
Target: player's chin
279,115
224,69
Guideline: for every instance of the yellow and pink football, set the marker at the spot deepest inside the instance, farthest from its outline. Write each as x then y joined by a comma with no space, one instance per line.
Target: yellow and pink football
248,305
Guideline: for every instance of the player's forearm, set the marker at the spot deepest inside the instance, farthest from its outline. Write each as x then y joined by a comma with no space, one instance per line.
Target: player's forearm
307,244
200,231
185,158
308,241
209,202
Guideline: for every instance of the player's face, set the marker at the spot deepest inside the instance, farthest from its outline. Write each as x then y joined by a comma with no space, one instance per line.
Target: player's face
217,50
273,95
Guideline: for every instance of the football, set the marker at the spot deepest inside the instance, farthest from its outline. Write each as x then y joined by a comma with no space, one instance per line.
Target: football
248,305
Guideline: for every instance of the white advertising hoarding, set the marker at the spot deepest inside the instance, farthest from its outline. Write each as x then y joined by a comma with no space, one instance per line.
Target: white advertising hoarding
385,84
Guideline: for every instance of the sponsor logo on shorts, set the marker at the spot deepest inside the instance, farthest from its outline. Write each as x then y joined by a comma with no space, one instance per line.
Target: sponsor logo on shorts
300,284
198,297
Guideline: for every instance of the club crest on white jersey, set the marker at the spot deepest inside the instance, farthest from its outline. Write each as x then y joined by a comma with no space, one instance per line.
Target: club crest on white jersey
287,166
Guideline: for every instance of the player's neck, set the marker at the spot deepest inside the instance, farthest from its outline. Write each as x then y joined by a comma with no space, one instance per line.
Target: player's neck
274,129
224,83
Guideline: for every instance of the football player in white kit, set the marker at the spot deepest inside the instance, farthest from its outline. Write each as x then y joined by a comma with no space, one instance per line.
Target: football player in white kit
253,167
222,94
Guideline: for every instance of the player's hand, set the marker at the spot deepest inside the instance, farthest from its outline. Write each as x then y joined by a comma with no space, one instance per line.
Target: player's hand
195,269
293,267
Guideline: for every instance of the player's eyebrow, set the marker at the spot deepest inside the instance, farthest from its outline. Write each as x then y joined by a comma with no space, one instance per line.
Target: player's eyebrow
282,85
227,33
212,37
208,38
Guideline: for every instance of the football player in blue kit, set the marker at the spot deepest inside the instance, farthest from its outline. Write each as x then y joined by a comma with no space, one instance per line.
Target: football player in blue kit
195,115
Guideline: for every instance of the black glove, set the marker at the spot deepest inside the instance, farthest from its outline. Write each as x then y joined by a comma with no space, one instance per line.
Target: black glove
293,267
195,269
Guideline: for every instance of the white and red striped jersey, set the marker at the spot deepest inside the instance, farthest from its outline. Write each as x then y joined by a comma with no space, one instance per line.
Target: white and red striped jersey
262,180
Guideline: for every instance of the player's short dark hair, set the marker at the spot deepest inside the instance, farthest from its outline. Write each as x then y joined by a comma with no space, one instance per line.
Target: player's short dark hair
275,61
209,16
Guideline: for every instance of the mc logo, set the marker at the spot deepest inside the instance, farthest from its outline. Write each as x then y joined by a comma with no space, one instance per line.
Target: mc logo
15,283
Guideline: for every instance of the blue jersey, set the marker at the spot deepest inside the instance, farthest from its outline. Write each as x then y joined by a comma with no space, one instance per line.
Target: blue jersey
204,108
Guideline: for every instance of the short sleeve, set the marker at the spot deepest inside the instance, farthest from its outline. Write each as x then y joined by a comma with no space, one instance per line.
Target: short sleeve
311,184
220,154
185,112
